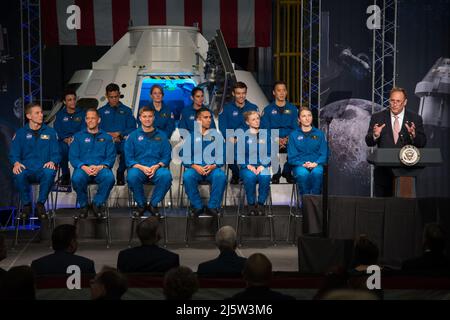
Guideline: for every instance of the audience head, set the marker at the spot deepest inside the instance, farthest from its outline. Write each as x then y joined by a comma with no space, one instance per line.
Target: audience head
18,284
349,294
148,231
257,270
108,284
180,284
3,251
226,238
434,238
64,237
365,252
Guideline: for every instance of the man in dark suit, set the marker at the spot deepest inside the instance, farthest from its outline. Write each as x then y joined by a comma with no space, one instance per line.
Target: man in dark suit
394,127
433,261
148,257
258,274
228,263
65,244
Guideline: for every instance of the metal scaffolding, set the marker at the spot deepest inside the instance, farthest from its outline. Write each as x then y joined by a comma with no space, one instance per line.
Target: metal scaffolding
31,51
384,53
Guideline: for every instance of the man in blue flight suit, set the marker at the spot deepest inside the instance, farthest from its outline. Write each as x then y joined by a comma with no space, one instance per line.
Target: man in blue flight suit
164,119
281,115
205,166
232,117
35,155
188,114
307,153
92,154
148,154
69,120
118,122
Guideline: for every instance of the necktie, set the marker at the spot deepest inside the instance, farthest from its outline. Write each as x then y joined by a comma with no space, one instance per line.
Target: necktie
396,129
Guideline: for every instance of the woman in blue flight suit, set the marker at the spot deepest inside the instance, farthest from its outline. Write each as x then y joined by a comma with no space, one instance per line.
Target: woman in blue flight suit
255,167
307,153
164,119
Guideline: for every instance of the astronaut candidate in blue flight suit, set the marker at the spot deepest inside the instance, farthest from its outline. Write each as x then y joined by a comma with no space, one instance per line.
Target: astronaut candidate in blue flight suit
188,114
35,156
148,154
307,153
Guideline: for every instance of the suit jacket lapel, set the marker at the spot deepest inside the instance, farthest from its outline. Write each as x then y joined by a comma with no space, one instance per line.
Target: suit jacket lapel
390,135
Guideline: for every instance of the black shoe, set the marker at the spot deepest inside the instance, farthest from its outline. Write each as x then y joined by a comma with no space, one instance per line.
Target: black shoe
41,212
234,180
26,211
252,211
261,210
153,211
98,211
197,212
275,180
120,181
65,180
139,212
289,178
212,212
84,212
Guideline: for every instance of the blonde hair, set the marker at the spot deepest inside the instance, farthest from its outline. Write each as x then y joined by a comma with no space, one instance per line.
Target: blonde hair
250,113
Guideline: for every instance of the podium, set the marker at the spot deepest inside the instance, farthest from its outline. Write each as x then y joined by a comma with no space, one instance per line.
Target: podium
405,176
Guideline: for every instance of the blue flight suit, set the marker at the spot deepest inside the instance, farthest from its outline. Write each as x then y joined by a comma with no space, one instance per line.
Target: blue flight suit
257,153
303,147
92,149
33,149
216,178
66,125
164,119
187,119
118,119
286,120
232,117
148,149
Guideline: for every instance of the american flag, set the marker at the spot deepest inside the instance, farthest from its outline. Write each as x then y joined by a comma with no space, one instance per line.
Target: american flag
244,23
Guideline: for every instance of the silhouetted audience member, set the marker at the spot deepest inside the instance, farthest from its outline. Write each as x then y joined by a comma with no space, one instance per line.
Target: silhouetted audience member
335,279
180,284
228,263
65,244
18,284
108,284
365,254
3,254
258,274
348,294
433,261
148,257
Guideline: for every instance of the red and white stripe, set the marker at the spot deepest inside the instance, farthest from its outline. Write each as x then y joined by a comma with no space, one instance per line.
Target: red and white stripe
244,23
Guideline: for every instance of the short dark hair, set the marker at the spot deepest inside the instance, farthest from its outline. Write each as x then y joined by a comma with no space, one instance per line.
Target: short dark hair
148,231
112,87
92,109
68,92
156,86
239,85
18,284
180,283
62,236
146,109
31,105
195,90
365,252
434,237
114,282
257,270
199,111
279,82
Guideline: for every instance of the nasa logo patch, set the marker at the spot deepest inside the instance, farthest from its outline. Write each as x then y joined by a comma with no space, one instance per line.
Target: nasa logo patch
107,112
87,140
65,119
29,136
300,138
140,138
192,117
235,113
274,111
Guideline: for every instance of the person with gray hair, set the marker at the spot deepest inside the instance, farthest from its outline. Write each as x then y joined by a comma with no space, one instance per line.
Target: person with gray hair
228,263
148,257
